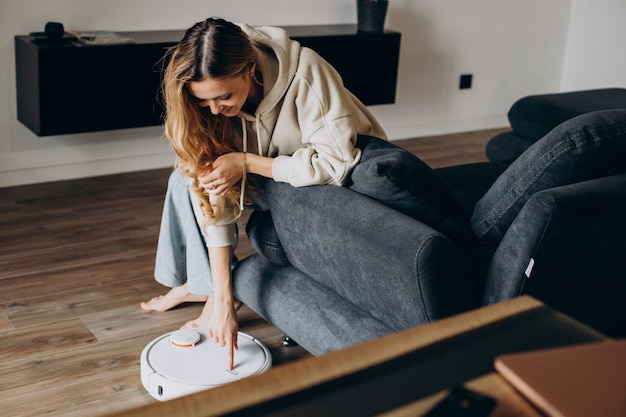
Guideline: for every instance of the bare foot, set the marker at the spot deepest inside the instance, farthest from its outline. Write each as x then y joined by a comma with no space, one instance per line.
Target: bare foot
203,321
175,296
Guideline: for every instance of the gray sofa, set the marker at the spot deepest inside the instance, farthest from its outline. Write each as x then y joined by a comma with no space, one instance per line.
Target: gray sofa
403,245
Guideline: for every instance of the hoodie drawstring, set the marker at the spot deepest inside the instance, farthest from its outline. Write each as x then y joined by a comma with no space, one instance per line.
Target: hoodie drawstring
244,174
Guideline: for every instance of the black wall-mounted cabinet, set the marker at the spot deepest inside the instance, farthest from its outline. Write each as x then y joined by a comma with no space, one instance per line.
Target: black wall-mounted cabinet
64,87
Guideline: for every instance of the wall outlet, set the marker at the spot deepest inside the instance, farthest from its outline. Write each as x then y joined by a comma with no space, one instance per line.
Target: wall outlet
465,81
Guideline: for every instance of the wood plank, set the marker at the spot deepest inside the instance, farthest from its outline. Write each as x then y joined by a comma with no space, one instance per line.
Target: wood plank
75,232
29,283
59,368
90,397
145,212
121,187
17,224
29,343
130,322
49,308
454,149
5,323
75,254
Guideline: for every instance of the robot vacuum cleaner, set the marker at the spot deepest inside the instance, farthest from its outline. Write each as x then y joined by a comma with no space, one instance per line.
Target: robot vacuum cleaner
187,361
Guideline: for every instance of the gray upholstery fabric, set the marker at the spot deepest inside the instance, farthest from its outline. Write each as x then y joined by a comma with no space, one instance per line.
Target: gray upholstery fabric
399,270
402,181
319,319
534,116
586,147
470,182
506,147
575,235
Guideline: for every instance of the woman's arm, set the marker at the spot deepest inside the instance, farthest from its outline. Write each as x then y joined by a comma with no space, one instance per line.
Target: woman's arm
219,314
223,325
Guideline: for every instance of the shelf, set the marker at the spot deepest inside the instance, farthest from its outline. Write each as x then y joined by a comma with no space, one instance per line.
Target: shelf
64,87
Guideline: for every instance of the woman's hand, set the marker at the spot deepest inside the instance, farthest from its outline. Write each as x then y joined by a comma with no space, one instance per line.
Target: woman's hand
223,173
223,328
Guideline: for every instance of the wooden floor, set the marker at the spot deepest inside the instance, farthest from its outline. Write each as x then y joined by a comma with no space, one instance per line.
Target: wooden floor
76,259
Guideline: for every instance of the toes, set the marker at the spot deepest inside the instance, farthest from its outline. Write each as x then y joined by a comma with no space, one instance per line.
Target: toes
149,305
193,324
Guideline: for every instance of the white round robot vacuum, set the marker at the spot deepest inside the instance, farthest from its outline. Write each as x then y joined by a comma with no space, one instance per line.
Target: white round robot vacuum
187,361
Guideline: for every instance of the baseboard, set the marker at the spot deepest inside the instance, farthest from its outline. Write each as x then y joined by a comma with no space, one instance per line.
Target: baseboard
84,169
421,129
85,160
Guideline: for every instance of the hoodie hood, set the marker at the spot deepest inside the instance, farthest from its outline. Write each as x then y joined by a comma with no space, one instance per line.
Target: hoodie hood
277,60
278,57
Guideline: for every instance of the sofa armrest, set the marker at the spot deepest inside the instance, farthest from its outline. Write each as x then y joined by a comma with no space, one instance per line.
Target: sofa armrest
399,270
567,247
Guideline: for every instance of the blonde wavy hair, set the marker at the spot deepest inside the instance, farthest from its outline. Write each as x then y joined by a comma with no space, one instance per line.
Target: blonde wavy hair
213,48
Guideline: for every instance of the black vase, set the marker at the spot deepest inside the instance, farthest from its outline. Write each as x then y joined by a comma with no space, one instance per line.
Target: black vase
371,15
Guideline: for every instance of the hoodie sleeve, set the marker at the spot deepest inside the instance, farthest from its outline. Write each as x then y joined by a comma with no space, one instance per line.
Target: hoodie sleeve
328,117
219,234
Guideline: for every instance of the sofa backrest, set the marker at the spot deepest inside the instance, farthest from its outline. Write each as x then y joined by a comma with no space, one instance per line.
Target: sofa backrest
583,148
533,117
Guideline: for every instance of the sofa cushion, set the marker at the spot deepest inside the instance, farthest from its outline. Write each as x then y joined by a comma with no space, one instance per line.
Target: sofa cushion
532,117
586,147
506,147
399,179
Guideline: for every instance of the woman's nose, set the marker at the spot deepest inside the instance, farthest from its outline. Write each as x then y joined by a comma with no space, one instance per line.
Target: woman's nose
215,108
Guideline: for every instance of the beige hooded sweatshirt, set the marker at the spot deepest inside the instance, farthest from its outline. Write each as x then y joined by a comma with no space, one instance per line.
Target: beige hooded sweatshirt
308,121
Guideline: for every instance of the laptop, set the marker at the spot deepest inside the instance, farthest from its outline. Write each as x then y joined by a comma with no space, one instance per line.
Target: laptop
586,380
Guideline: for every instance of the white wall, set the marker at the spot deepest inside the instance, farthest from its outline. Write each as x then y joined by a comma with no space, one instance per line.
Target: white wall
595,56
513,48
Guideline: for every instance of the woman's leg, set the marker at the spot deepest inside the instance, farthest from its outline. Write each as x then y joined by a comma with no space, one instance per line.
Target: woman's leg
182,260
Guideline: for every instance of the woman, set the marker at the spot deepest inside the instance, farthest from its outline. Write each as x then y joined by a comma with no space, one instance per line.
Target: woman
242,100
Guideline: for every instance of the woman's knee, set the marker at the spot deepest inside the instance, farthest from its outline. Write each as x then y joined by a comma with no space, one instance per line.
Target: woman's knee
264,239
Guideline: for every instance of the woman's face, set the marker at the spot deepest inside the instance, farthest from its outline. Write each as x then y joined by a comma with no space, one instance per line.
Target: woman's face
224,96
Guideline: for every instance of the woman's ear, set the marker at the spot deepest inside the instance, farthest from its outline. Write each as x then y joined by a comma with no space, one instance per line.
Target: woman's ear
252,68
